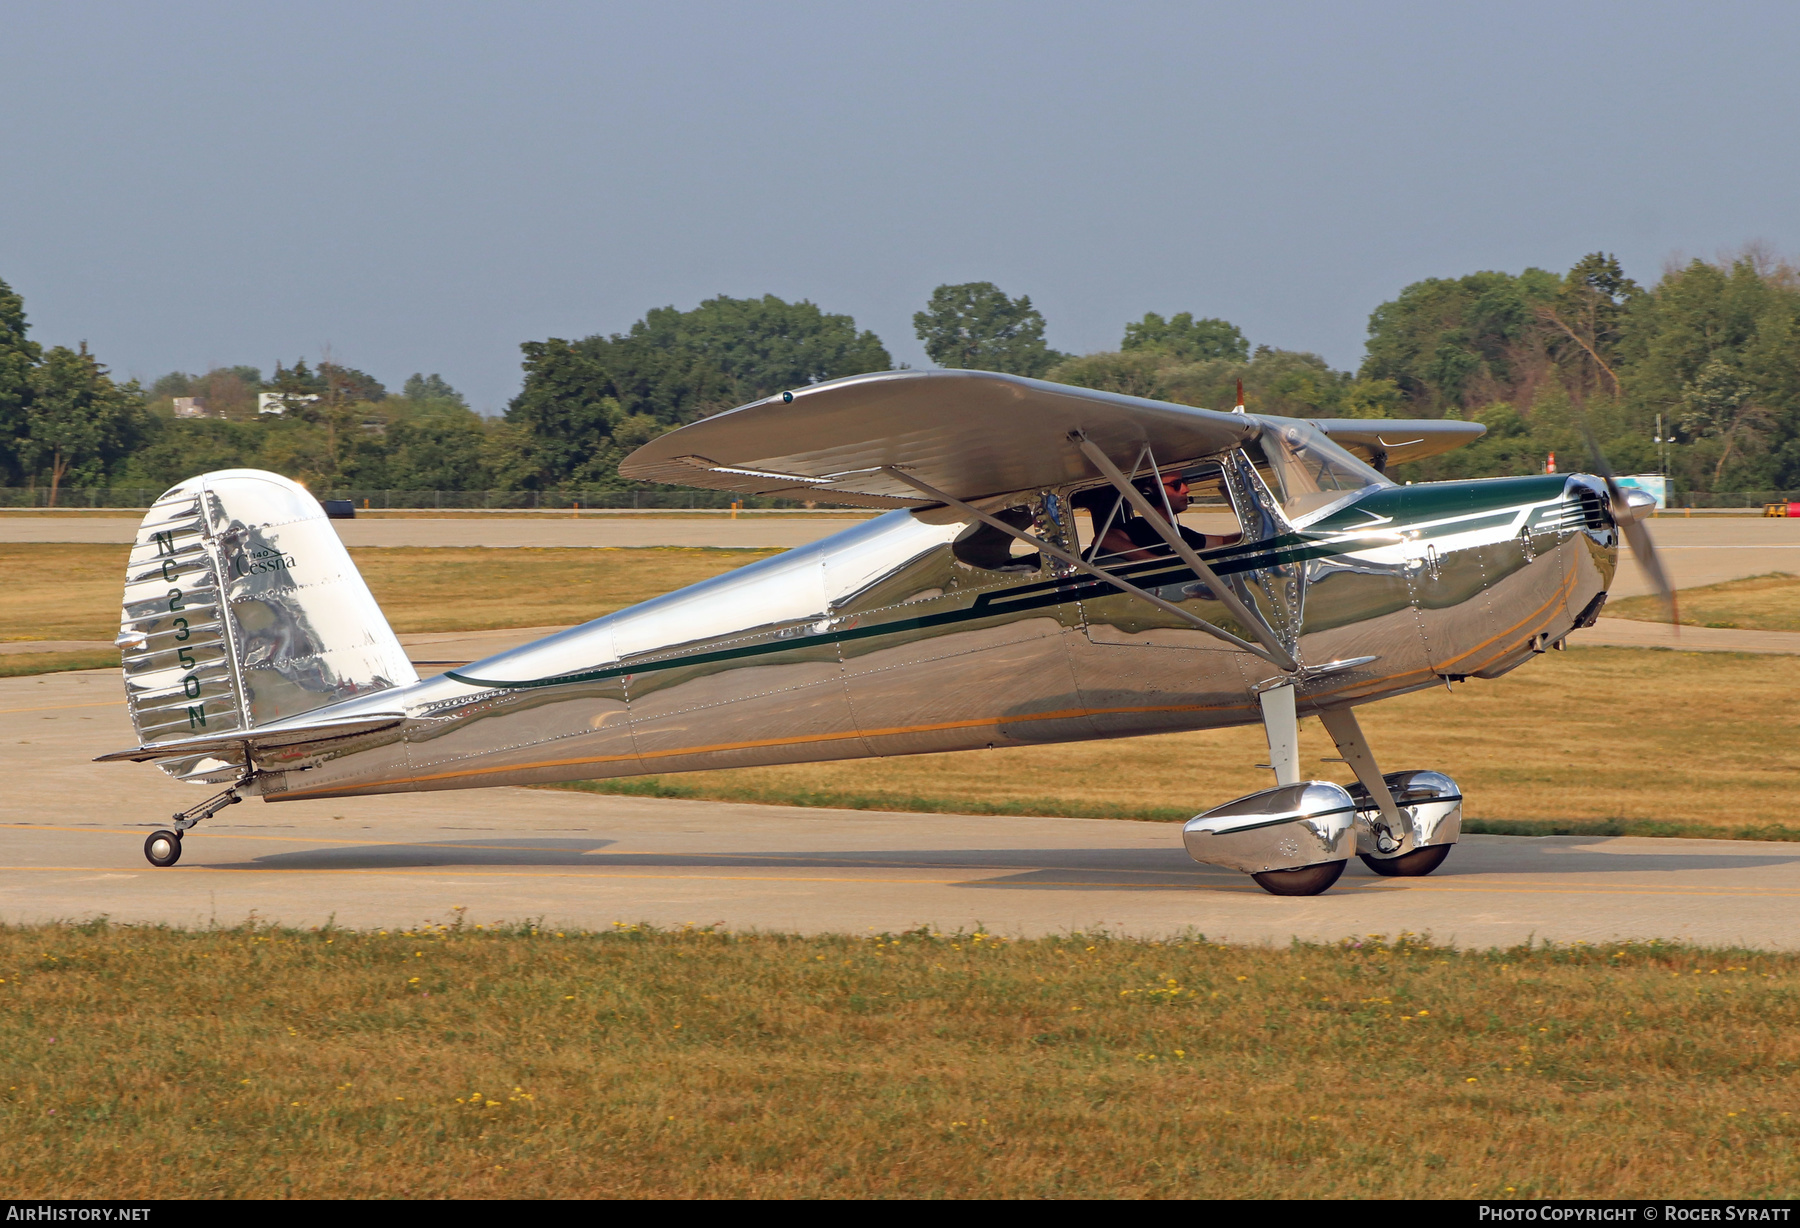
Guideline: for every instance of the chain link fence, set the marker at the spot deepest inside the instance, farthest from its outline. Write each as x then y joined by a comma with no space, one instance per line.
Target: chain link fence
139,497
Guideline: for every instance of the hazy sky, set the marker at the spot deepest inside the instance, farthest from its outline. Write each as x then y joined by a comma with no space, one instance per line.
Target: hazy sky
422,187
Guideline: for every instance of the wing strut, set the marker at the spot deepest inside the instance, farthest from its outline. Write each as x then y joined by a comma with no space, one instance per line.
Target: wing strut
1080,564
1276,653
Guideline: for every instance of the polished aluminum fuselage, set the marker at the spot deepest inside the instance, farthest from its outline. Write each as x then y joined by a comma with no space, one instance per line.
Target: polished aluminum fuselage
881,641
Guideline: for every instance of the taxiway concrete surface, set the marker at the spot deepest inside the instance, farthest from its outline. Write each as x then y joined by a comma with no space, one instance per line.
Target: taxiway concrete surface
74,831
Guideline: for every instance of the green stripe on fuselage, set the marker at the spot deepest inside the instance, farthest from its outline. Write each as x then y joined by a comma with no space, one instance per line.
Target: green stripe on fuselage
1400,507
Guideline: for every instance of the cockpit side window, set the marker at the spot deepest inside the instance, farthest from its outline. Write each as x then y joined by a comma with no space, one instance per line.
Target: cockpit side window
982,545
1195,492
1311,473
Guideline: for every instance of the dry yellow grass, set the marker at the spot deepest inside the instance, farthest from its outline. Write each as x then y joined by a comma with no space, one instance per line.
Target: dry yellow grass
1758,603
475,589
71,592
1612,740
147,1063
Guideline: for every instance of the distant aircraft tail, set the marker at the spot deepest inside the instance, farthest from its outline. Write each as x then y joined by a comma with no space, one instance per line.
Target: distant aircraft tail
243,610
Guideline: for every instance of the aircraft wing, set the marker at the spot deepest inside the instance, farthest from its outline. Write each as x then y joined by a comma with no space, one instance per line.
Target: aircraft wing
970,434
1392,441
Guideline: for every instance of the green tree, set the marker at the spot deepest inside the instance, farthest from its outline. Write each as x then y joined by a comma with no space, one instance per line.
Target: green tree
298,386
975,326
1454,343
1285,382
18,355
585,404
177,449
1588,317
1186,338
1133,373
421,445
431,387
347,385
567,413
78,420
227,392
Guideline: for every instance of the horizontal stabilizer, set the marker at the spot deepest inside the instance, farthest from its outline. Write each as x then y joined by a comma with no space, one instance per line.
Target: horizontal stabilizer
1386,442
259,739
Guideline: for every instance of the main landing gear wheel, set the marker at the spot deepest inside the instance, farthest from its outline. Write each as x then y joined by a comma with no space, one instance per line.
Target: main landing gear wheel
1416,864
1307,880
163,848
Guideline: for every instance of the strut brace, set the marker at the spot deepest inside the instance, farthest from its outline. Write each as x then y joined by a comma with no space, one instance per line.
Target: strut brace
1277,653
1099,573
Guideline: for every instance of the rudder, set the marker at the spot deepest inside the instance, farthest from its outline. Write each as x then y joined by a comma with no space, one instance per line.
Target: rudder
242,607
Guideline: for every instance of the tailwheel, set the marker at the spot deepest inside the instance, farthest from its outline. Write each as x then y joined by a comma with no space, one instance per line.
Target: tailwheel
1307,880
163,848
1416,864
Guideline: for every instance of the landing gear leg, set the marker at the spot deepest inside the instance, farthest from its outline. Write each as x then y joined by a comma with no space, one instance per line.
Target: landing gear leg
1389,843
163,848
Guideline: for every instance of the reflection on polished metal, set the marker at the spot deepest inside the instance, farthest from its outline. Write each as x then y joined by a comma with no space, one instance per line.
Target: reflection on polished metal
1284,828
1429,803
966,618
1281,726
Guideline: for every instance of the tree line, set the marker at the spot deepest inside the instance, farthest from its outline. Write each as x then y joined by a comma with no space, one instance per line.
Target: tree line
1702,367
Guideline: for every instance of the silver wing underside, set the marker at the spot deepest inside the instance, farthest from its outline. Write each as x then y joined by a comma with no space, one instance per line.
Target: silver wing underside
972,434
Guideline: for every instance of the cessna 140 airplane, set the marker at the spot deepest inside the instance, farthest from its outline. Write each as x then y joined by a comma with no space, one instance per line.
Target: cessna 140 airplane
973,614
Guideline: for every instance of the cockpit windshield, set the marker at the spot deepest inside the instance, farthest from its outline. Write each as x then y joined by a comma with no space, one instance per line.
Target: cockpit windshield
1312,471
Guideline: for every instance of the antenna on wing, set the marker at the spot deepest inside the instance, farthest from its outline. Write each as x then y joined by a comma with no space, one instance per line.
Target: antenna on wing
1240,400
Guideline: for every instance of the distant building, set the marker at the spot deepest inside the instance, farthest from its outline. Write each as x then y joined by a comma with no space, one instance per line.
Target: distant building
191,407
277,403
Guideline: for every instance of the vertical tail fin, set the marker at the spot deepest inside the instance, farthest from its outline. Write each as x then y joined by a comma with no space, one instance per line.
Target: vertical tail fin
243,608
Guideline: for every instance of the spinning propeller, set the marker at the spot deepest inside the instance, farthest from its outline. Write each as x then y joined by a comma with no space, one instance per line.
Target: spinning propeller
1627,514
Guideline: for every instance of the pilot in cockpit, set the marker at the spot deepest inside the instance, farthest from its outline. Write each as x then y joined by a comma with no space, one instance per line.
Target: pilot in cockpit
1131,536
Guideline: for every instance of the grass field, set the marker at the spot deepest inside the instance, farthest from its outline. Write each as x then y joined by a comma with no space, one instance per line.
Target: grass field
71,592
1758,603
458,1063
